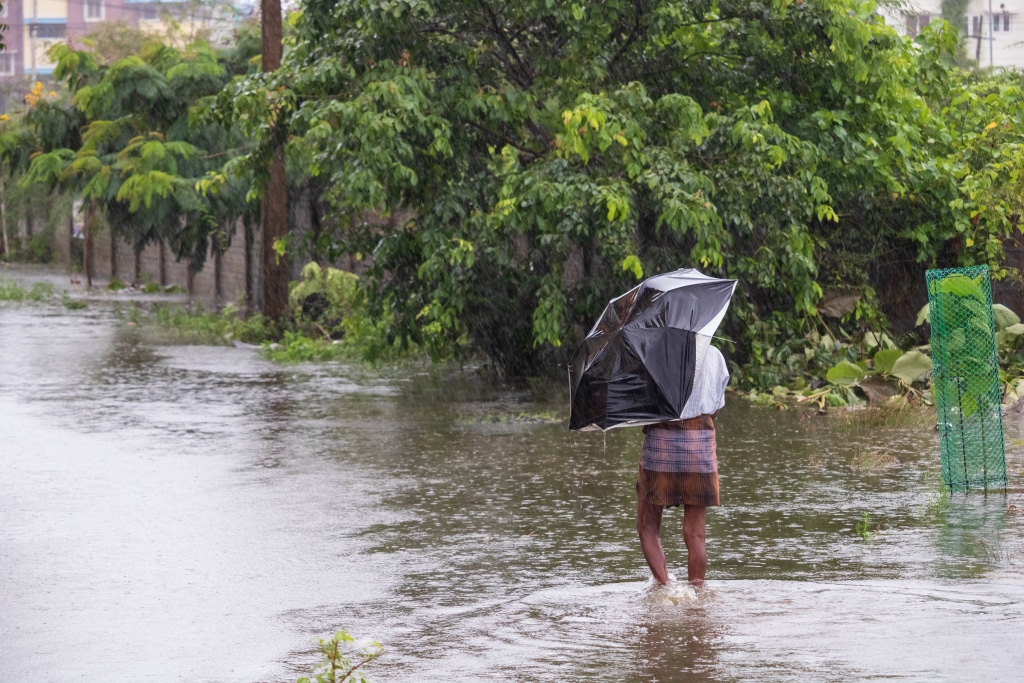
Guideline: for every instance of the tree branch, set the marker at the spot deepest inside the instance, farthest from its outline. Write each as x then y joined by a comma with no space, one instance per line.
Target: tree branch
524,78
367,660
639,10
506,139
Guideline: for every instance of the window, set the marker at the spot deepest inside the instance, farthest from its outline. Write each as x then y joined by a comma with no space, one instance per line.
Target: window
149,12
1006,21
7,64
47,30
93,10
916,24
995,23
976,26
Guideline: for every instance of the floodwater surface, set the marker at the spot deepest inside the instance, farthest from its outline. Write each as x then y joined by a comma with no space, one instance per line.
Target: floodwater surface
192,513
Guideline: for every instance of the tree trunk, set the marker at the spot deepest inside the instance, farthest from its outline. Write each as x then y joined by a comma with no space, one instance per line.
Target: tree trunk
90,218
113,256
275,196
163,263
218,254
250,294
3,218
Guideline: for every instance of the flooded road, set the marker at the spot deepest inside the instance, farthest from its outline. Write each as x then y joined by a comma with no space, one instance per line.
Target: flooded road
201,514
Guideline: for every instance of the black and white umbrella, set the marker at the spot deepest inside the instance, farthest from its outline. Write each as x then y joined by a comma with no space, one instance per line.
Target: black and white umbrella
637,364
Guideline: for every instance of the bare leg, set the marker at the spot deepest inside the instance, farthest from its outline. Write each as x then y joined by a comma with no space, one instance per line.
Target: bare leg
648,525
693,535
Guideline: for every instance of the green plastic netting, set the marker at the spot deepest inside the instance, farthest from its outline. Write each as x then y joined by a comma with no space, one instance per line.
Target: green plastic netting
965,378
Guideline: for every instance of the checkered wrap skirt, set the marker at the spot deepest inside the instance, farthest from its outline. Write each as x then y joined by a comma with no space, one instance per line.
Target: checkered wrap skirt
679,464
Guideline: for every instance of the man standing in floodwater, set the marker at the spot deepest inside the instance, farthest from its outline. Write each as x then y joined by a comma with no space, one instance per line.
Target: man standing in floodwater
679,466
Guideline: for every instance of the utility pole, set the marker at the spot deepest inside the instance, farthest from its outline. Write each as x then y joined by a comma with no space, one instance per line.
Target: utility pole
32,31
275,194
991,35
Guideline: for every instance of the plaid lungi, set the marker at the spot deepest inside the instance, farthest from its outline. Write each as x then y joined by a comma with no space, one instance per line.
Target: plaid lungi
679,464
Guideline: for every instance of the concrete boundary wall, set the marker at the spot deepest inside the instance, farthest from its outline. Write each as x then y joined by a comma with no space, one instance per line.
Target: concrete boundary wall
222,279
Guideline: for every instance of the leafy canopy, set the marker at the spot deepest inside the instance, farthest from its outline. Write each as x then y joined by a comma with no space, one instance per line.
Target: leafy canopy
511,166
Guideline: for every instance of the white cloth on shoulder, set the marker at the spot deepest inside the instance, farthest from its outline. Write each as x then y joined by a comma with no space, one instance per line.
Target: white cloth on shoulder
708,394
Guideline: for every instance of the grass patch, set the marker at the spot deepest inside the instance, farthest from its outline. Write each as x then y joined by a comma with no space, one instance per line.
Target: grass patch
288,342
295,347
873,459
896,413
997,555
177,324
12,291
542,417
72,304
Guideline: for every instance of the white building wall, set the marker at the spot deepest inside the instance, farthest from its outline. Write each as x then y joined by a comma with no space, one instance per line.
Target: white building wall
994,29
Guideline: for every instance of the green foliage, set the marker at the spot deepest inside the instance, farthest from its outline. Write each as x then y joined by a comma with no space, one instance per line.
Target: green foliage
72,304
294,347
36,249
364,336
845,373
513,166
126,144
324,297
342,660
885,359
196,326
865,529
911,366
12,291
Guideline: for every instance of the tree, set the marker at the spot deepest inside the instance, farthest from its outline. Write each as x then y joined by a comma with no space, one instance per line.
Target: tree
127,145
18,140
510,166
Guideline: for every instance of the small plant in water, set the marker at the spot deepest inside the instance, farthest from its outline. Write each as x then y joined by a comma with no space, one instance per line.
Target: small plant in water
864,528
342,660
72,304
938,498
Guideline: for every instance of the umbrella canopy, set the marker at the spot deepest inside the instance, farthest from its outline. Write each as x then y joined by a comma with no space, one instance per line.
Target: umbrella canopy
637,364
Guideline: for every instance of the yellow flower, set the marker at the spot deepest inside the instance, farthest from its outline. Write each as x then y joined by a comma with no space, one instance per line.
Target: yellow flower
53,94
4,117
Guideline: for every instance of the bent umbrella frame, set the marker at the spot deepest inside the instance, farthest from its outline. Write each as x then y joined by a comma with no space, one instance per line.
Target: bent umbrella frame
637,364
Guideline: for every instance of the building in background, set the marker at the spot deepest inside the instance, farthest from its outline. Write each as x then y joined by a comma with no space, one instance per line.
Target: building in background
35,25
994,29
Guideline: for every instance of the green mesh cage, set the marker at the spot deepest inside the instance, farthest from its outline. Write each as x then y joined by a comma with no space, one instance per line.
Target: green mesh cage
965,378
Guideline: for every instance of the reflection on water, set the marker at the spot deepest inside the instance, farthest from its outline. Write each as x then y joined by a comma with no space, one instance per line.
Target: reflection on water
225,511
